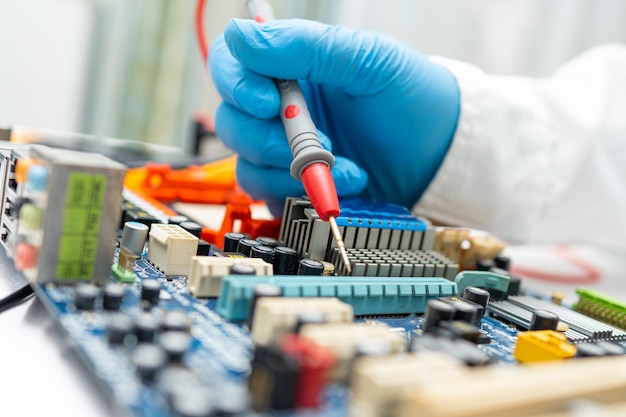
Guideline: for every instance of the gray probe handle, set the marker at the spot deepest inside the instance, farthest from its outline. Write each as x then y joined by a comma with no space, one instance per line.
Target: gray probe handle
301,132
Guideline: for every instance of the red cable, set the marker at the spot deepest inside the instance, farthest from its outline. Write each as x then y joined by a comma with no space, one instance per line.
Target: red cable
202,43
589,276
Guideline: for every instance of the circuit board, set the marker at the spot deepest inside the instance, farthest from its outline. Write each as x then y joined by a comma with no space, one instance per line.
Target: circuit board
220,354
175,326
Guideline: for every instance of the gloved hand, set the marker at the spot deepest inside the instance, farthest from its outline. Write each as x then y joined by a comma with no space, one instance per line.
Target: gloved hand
385,111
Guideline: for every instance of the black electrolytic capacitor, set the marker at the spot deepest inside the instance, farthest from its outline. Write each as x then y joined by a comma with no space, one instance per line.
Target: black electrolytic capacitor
193,228
477,295
150,291
544,320
242,269
112,297
120,326
268,241
85,296
244,246
146,327
175,344
436,312
502,262
285,261
311,267
264,252
148,360
177,220
231,240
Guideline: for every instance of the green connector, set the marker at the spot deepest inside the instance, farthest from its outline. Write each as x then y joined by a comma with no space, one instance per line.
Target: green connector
601,307
123,275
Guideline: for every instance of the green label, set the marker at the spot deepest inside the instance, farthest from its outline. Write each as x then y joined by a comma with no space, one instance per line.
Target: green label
81,226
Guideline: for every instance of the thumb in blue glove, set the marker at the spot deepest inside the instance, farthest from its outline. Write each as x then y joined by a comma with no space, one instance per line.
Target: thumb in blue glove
386,111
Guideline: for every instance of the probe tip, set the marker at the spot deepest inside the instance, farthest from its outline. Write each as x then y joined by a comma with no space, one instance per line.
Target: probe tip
342,247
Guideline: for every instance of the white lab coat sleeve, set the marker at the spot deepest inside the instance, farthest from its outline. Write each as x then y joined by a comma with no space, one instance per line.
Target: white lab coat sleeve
538,160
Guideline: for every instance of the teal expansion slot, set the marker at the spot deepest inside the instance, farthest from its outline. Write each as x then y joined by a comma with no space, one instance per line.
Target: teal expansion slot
368,296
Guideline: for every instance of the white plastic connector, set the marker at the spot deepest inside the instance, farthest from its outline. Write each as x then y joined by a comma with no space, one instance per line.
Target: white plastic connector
206,273
276,316
343,340
170,248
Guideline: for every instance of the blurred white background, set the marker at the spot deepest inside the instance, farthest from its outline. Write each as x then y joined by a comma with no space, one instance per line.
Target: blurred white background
131,68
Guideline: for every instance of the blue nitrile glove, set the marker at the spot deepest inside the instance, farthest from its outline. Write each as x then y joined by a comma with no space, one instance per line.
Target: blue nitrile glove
389,113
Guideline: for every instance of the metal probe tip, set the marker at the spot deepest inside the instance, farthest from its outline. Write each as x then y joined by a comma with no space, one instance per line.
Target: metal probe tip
339,240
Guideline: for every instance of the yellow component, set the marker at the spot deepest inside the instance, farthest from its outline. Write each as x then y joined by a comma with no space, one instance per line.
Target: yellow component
557,297
541,346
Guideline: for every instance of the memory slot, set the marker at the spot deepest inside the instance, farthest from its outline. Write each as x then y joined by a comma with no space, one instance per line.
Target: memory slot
581,327
368,296
395,263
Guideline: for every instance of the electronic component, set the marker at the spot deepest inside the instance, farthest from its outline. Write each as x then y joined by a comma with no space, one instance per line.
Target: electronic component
134,235
231,240
244,246
379,383
112,297
543,320
79,197
206,272
311,267
395,263
171,248
436,312
368,296
458,348
264,252
482,279
285,261
541,346
273,379
150,291
274,317
85,297
467,247
314,362
519,310
346,339
362,224
601,307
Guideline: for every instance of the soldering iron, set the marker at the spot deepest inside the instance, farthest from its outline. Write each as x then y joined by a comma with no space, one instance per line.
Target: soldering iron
311,162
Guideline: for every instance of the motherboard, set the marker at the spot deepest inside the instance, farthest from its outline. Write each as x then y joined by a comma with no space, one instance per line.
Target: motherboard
172,324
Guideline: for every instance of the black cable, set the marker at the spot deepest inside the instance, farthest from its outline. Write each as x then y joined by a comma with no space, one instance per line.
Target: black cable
16,298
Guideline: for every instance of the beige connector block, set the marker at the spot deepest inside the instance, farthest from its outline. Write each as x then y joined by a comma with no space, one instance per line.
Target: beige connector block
206,273
170,248
516,391
343,339
378,383
276,316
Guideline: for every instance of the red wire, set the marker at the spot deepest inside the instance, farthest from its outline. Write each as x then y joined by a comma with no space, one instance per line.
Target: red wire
202,43
590,273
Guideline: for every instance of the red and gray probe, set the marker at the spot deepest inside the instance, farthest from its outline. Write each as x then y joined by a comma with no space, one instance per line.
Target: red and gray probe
311,163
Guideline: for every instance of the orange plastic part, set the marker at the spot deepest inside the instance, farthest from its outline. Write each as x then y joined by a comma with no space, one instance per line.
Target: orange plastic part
212,183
